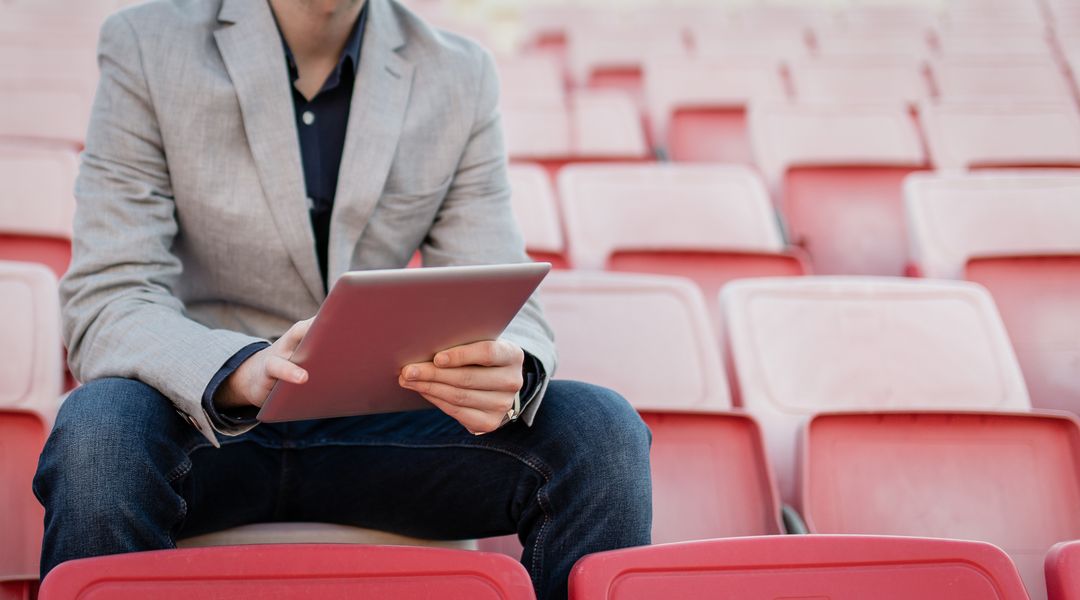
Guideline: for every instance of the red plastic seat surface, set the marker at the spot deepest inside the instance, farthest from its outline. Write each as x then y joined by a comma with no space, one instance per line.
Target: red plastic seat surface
291,571
647,337
1039,300
837,170
806,345
1063,571
715,135
1002,134
859,79
1012,480
894,40
982,79
807,567
22,436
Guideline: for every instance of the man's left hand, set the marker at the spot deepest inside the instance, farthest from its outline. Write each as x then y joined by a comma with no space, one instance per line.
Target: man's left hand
475,383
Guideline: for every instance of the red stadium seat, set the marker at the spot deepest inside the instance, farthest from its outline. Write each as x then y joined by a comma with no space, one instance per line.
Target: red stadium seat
1063,571
37,204
806,345
292,572
869,79
1012,480
777,42
709,223
533,80
990,79
537,213
801,566
838,169
1013,134
30,380
667,360
697,108
607,125
537,132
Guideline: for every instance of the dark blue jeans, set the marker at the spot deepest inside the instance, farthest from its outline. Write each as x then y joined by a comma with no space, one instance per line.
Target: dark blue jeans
122,472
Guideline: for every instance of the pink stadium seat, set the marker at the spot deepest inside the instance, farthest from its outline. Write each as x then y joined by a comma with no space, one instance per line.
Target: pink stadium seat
59,114
873,42
537,132
667,360
292,572
598,49
860,78
994,78
607,125
537,213
838,170
1014,134
1063,571
697,107
709,223
1018,234
1012,480
808,567
30,379
532,80
37,204
1003,43
806,345
777,42
30,357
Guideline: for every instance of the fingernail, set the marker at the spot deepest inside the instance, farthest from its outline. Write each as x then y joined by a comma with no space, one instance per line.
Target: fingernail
413,373
441,359
300,377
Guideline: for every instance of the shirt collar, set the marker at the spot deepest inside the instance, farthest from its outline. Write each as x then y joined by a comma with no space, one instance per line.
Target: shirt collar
351,50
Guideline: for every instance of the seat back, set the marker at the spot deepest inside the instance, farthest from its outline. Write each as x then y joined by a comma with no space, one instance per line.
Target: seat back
537,211
801,566
606,124
1063,571
594,48
876,41
31,371
1012,480
22,436
838,171
292,571
989,79
710,478
989,43
870,79
806,345
615,207
1002,134
38,204
646,337
955,217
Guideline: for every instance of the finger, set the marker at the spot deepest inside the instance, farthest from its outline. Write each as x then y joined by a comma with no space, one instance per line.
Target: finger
487,401
292,337
281,368
475,421
494,379
488,354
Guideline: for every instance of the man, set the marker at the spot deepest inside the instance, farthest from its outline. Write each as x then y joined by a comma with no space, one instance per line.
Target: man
242,154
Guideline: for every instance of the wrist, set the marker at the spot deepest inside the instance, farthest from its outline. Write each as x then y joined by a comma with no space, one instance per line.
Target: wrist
231,396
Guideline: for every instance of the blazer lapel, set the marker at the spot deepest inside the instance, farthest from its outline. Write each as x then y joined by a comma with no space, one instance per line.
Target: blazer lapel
251,48
376,116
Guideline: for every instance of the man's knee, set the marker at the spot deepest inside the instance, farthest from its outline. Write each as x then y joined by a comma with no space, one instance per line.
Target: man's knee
107,440
599,425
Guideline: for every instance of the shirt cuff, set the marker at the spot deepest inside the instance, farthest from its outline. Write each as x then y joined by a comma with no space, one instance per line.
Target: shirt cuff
240,417
532,374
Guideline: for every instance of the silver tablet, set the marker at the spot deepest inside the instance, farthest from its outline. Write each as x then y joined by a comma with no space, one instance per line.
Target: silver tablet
373,323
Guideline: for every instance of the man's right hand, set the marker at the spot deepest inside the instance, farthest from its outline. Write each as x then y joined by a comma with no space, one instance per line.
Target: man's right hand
251,382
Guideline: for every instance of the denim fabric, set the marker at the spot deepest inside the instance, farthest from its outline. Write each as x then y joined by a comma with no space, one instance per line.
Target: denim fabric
123,472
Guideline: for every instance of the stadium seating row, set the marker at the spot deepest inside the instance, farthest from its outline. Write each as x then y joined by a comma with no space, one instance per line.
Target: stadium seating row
841,567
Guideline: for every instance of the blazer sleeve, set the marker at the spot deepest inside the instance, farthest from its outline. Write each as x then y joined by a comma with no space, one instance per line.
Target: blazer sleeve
476,225
120,315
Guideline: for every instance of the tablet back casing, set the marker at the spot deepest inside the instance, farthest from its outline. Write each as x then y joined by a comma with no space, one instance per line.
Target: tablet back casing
375,322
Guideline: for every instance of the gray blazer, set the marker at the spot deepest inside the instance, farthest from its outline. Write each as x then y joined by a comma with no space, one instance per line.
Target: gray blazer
192,237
